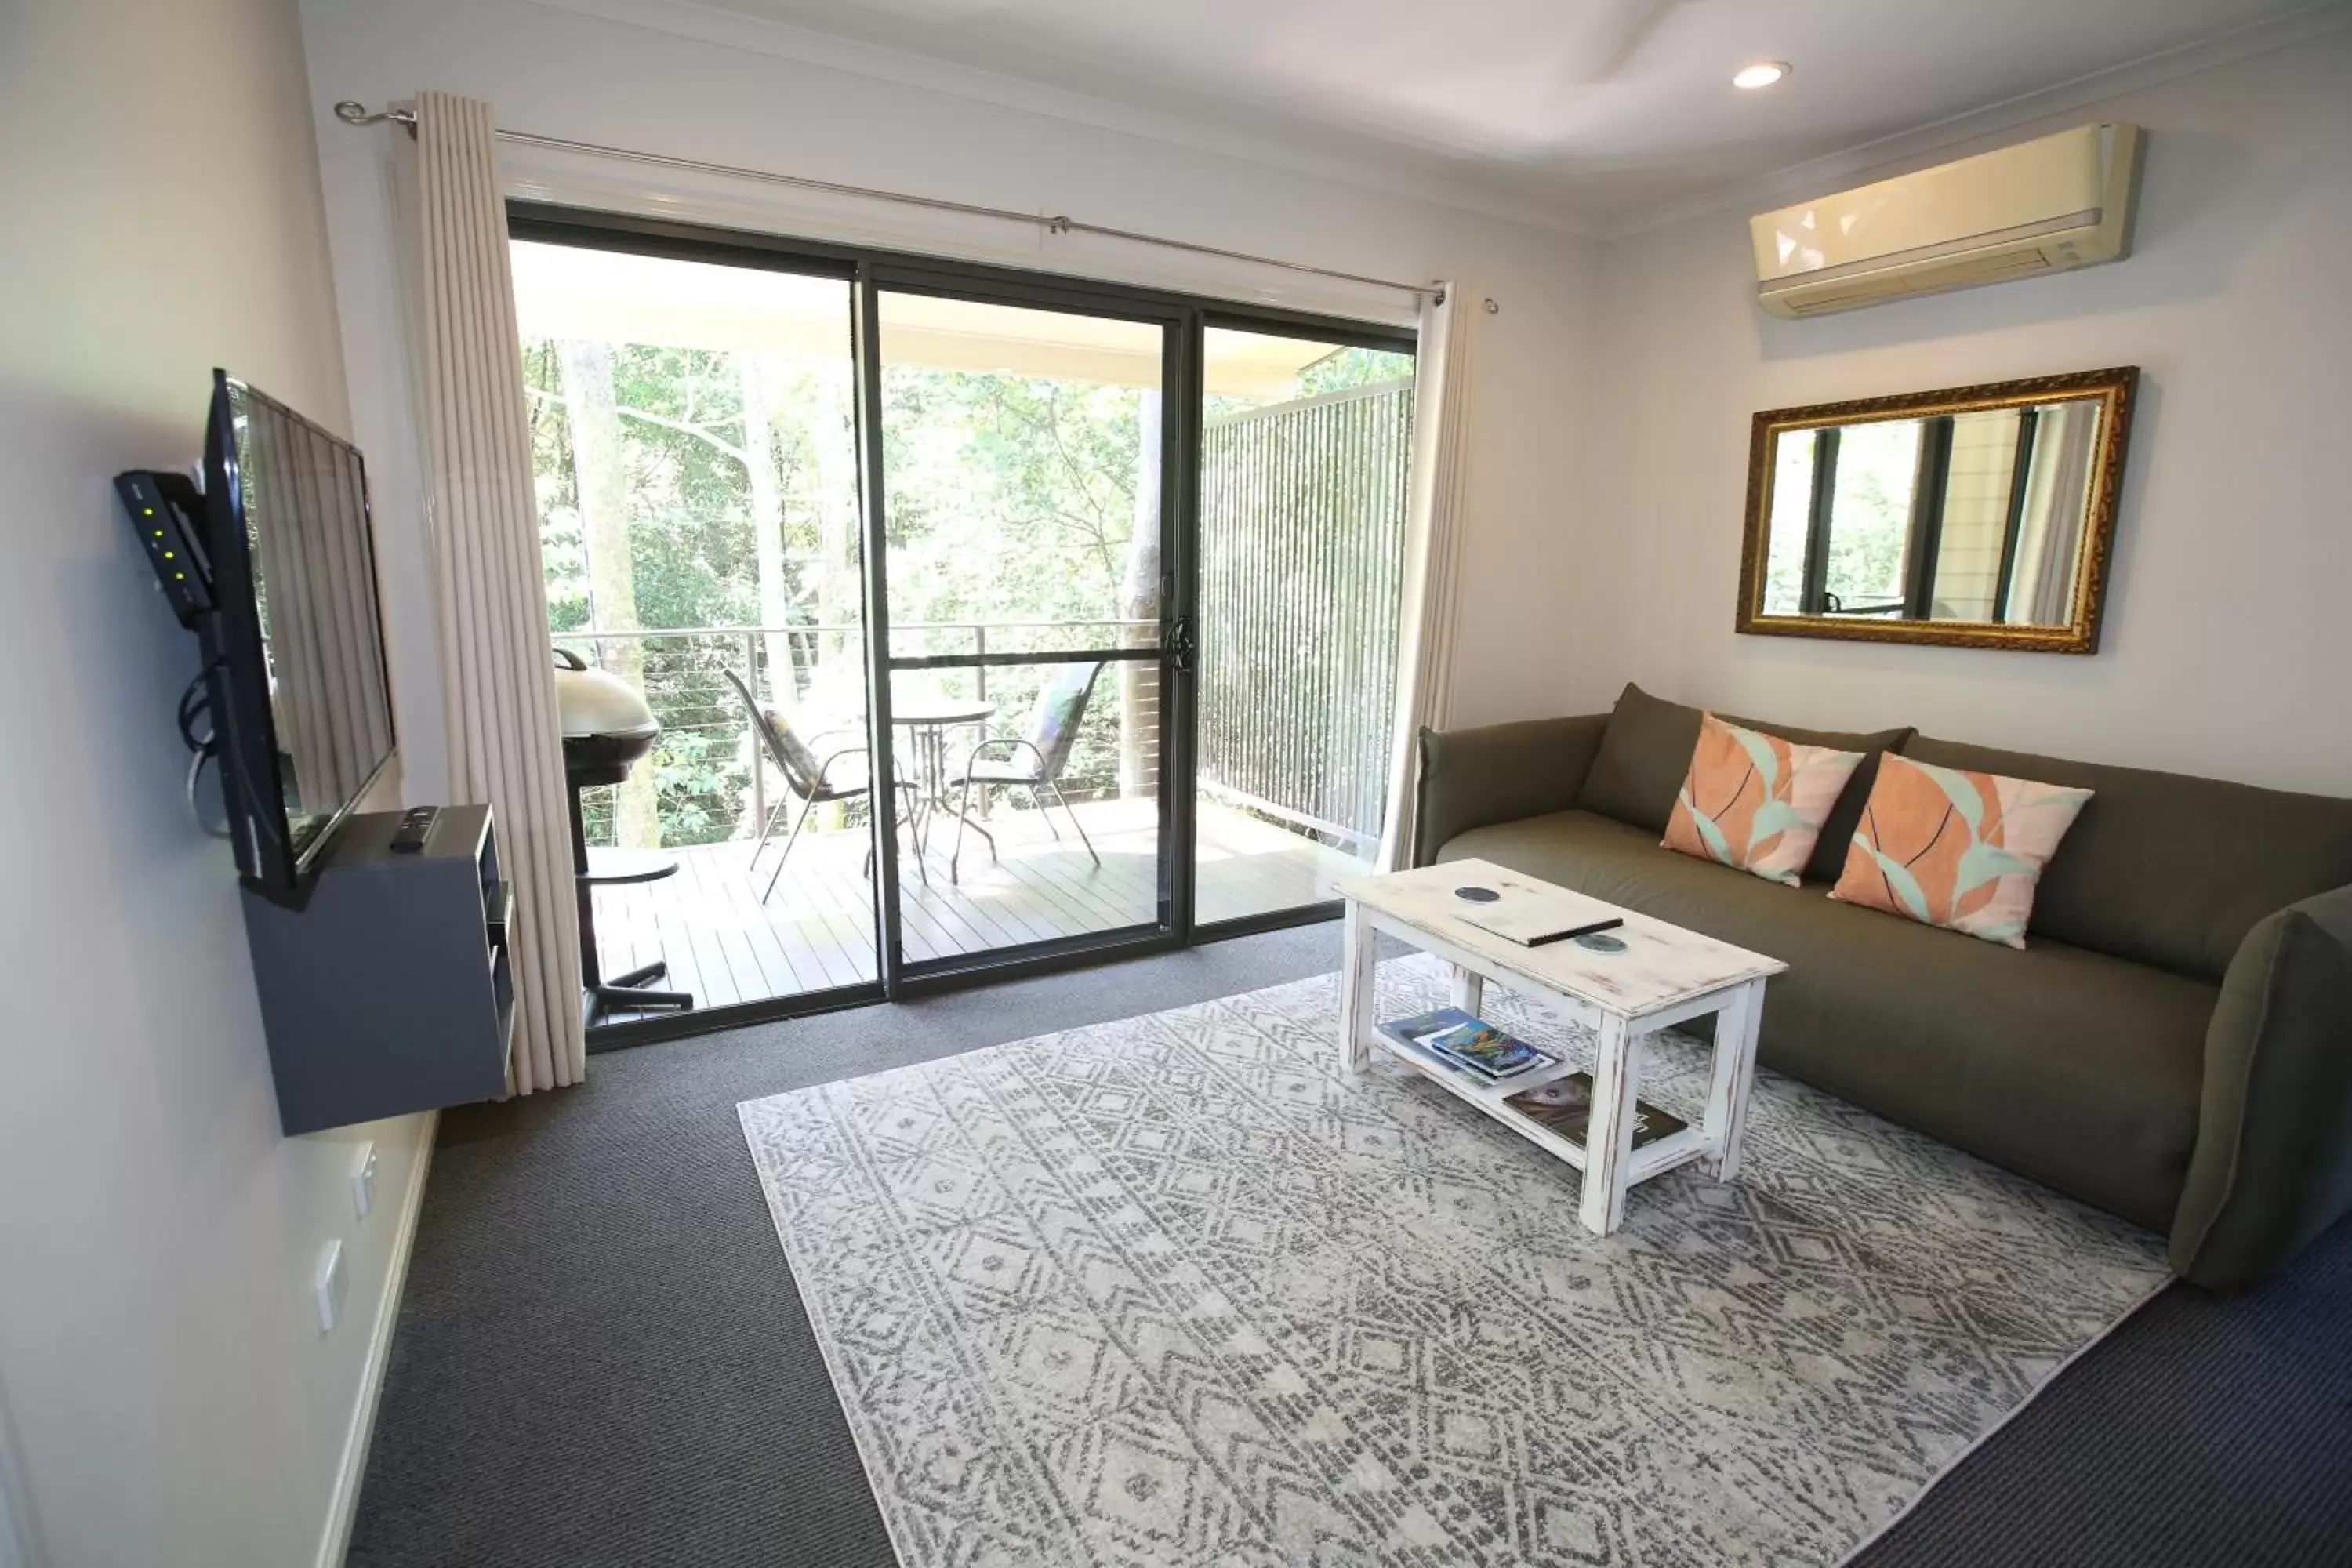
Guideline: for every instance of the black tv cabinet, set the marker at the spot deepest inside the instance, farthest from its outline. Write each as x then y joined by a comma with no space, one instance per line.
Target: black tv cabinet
386,986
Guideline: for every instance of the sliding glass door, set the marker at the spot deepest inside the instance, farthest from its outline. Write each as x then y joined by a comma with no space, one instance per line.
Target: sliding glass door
694,447
1023,564
991,620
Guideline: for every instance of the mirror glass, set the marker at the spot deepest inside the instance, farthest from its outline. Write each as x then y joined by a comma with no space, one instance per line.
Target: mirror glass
1966,517
1988,512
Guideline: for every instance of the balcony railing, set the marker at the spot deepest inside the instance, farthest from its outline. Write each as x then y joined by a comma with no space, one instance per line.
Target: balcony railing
709,783
1302,537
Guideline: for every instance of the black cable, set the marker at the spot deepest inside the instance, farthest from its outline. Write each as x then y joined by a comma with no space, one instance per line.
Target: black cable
194,701
196,812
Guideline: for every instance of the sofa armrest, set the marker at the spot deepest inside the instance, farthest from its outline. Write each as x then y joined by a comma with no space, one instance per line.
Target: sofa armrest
1469,778
2272,1165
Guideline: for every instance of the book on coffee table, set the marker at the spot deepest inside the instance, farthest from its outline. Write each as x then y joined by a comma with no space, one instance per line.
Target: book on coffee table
1537,918
1453,1038
1564,1107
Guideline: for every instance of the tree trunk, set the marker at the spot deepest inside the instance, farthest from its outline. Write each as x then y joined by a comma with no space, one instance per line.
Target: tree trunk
838,685
781,689
600,472
1139,683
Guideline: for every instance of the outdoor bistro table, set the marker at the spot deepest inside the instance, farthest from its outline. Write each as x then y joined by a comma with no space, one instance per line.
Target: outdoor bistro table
927,720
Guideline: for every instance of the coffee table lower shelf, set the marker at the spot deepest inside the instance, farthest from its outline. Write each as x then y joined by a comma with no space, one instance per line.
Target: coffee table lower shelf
1654,1158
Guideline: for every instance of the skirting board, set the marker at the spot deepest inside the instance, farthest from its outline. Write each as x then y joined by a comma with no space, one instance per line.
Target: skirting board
337,1540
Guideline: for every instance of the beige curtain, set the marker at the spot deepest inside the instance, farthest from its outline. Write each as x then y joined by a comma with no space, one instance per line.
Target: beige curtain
2049,533
1432,544
496,673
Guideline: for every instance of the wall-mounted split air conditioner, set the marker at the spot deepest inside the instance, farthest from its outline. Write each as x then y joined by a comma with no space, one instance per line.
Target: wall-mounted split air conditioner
2045,205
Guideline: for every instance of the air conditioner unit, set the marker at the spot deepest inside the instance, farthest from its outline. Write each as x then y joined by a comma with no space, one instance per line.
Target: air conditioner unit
2045,205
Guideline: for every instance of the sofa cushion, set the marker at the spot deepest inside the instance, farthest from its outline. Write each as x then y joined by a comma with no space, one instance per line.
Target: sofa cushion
1647,748
2165,869
1756,802
2075,1068
1959,850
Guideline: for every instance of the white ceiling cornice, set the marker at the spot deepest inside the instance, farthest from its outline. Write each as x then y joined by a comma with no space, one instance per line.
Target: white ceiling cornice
1817,176
730,29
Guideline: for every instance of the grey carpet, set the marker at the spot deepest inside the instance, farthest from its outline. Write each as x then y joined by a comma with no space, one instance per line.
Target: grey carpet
2208,1432
602,1358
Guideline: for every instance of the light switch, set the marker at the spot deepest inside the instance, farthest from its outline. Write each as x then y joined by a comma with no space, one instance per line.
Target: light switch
331,1286
364,1179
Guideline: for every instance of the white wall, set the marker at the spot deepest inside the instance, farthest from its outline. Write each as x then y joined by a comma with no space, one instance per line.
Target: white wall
169,1396
557,72
2226,639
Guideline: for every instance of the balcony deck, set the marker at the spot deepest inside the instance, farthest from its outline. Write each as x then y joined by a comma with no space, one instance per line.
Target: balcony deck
723,945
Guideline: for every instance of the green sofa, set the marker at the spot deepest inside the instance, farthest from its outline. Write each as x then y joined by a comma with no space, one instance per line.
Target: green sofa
2173,1046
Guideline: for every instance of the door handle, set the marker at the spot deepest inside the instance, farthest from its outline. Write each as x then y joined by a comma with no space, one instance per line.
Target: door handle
1177,646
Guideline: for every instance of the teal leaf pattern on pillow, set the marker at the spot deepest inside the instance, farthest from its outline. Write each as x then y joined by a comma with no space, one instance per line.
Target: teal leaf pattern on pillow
1710,834
1759,751
1981,862
1902,885
1776,816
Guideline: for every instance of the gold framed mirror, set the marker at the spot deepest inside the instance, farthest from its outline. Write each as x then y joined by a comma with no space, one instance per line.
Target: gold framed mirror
1978,516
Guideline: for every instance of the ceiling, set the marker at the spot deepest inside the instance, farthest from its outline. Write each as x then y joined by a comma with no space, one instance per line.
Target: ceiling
1592,108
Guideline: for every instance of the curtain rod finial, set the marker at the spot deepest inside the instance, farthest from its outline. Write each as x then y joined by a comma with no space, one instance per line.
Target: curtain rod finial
352,112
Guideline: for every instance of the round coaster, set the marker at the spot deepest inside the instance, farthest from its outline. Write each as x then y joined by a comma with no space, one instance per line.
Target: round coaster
1477,895
1602,941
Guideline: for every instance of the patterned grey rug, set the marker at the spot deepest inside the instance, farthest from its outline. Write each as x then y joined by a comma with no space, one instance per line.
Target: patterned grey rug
1171,1292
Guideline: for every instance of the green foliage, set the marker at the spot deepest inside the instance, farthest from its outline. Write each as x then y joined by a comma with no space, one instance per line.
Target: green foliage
1870,515
1353,367
1010,499
562,548
1871,518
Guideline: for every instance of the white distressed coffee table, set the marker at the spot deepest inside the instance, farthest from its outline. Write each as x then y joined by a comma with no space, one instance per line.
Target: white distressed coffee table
1667,976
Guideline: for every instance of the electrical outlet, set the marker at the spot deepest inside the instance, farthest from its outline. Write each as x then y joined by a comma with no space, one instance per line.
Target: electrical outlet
331,1286
364,1179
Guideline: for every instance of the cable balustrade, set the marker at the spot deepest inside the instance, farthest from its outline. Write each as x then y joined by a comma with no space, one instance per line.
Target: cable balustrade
1301,578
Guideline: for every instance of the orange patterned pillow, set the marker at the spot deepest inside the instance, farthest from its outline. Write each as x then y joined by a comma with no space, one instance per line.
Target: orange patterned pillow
1756,801
1956,849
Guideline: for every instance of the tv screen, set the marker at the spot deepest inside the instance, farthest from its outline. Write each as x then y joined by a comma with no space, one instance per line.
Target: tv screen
301,702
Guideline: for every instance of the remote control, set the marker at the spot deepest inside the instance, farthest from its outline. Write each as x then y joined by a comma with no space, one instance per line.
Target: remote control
409,838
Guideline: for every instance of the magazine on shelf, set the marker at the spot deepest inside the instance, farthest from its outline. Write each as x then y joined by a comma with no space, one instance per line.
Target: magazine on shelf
1564,1107
1453,1038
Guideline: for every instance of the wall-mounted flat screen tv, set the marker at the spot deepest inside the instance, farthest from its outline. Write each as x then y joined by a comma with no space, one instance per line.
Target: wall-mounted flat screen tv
300,703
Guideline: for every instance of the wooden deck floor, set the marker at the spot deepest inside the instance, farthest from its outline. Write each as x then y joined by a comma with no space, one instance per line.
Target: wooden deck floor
723,945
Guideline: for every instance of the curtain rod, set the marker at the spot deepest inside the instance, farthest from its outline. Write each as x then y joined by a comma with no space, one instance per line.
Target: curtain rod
351,113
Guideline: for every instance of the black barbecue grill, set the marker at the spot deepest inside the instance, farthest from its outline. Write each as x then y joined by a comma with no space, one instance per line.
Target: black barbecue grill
607,728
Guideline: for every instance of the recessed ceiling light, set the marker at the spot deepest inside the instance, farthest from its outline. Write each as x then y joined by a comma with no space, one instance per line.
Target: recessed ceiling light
1763,73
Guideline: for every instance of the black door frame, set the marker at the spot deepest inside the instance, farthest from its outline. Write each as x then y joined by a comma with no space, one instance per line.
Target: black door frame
901,977
869,271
